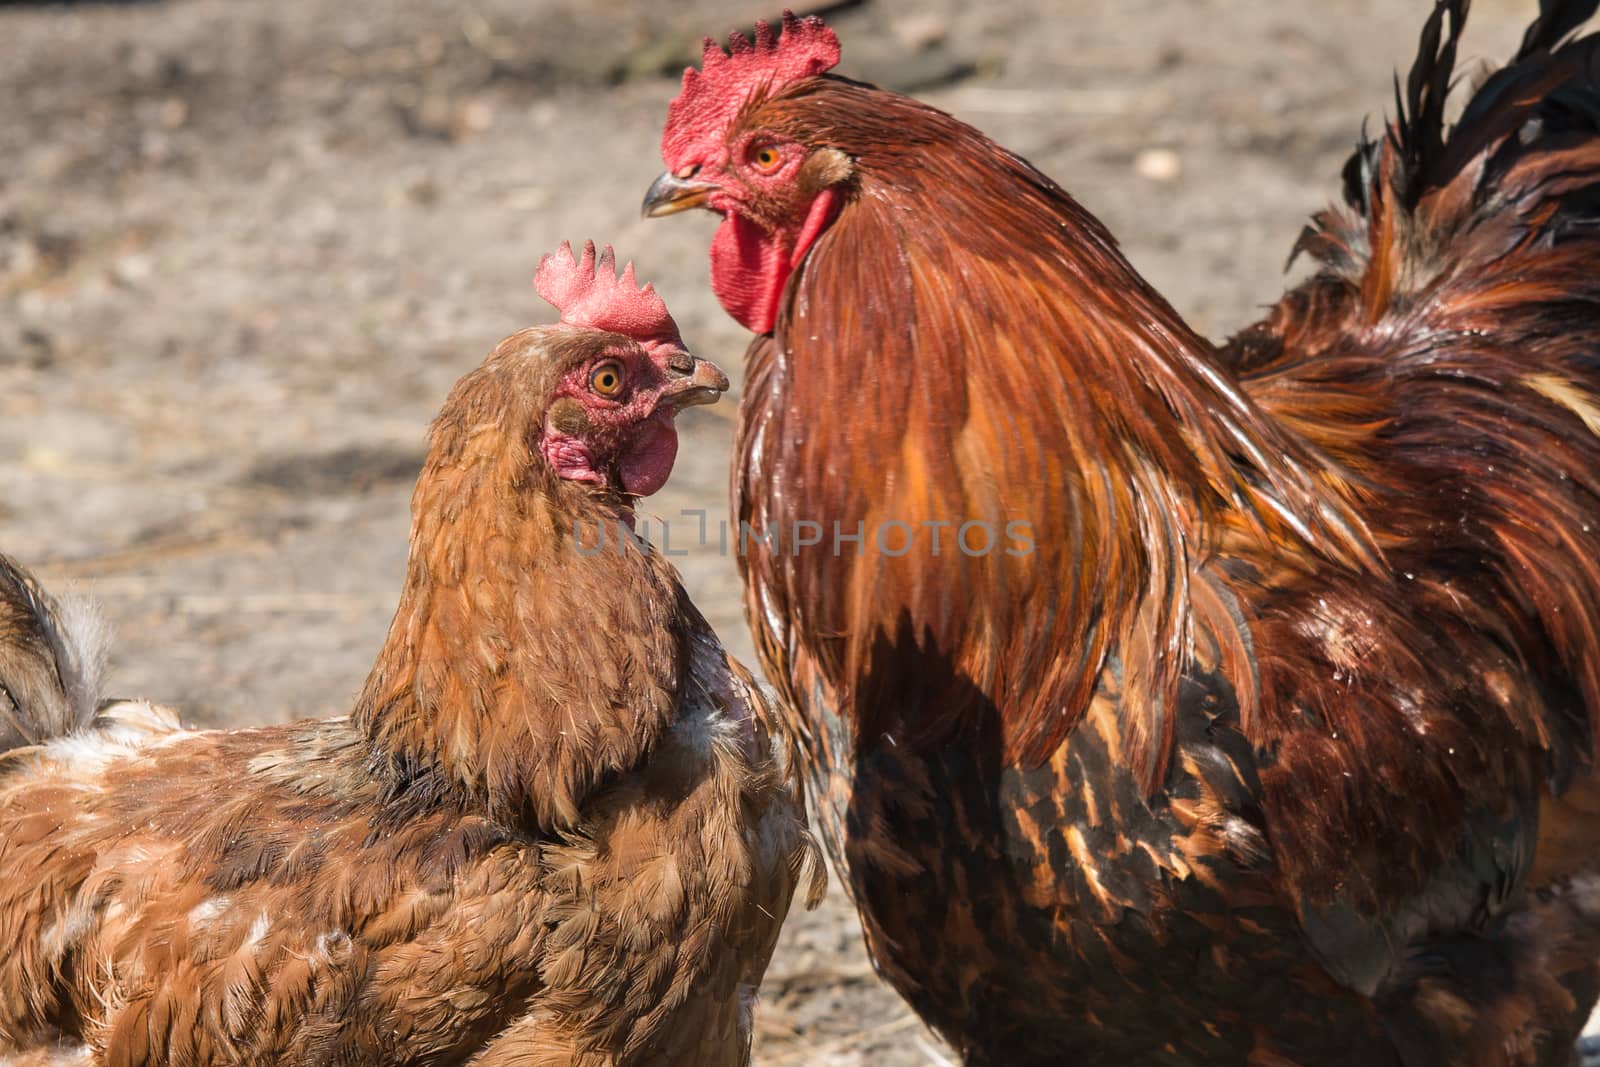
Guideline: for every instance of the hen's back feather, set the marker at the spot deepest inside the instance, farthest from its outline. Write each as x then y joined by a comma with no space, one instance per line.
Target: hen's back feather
51,654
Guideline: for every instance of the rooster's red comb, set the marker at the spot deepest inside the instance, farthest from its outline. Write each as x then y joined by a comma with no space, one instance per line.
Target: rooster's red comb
588,293
697,120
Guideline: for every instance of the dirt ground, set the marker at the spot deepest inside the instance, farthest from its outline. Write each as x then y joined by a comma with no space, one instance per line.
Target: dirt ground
246,248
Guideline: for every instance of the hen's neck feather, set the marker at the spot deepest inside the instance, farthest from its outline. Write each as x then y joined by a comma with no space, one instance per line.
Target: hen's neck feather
520,672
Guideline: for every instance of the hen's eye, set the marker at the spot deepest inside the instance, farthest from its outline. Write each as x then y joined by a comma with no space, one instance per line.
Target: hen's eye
765,157
606,379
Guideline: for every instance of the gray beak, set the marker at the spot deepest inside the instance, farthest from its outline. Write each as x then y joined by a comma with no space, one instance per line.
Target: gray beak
670,194
702,383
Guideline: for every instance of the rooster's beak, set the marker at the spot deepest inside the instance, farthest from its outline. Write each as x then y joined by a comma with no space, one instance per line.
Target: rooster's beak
670,194
694,381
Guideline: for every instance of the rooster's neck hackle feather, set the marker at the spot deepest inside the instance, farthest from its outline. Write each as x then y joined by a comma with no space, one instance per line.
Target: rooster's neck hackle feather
1009,356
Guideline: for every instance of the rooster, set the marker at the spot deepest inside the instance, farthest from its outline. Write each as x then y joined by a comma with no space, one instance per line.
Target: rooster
553,830
1169,703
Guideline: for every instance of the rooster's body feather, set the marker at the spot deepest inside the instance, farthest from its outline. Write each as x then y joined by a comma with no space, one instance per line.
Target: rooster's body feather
1272,741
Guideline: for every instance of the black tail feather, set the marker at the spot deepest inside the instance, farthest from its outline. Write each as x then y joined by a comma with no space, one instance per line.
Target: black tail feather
1427,154
1419,130
1557,18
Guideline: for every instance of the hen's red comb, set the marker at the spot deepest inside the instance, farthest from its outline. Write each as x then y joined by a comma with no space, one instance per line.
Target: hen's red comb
697,121
589,293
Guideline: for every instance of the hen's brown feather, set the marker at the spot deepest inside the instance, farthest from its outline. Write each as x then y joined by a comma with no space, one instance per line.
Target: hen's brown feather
554,830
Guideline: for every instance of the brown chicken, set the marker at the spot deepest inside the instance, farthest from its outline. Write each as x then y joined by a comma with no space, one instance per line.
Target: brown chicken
1170,704
553,830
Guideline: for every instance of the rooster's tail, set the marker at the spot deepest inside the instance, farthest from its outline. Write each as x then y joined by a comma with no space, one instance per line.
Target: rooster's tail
1520,168
1461,280
51,655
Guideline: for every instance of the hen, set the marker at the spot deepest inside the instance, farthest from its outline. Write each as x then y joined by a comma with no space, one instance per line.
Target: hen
553,830
1170,704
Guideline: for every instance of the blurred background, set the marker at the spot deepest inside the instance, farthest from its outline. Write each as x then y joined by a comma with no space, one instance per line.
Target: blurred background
245,249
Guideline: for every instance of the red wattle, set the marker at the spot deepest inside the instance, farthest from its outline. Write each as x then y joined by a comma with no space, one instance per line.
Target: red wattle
750,265
748,269
647,464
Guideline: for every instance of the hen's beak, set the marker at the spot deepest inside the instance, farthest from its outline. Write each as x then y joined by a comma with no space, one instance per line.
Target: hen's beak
694,381
670,194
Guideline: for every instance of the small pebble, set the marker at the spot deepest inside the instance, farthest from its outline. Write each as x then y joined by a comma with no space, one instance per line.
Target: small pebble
920,31
1158,164
133,270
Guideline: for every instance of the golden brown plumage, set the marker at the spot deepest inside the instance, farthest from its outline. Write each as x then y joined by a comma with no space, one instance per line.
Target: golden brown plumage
1273,743
553,831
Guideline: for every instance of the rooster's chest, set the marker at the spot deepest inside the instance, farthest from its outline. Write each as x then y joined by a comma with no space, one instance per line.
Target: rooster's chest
1031,915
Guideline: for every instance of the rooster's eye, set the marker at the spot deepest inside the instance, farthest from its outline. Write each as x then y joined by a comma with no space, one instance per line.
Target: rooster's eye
606,379
766,158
